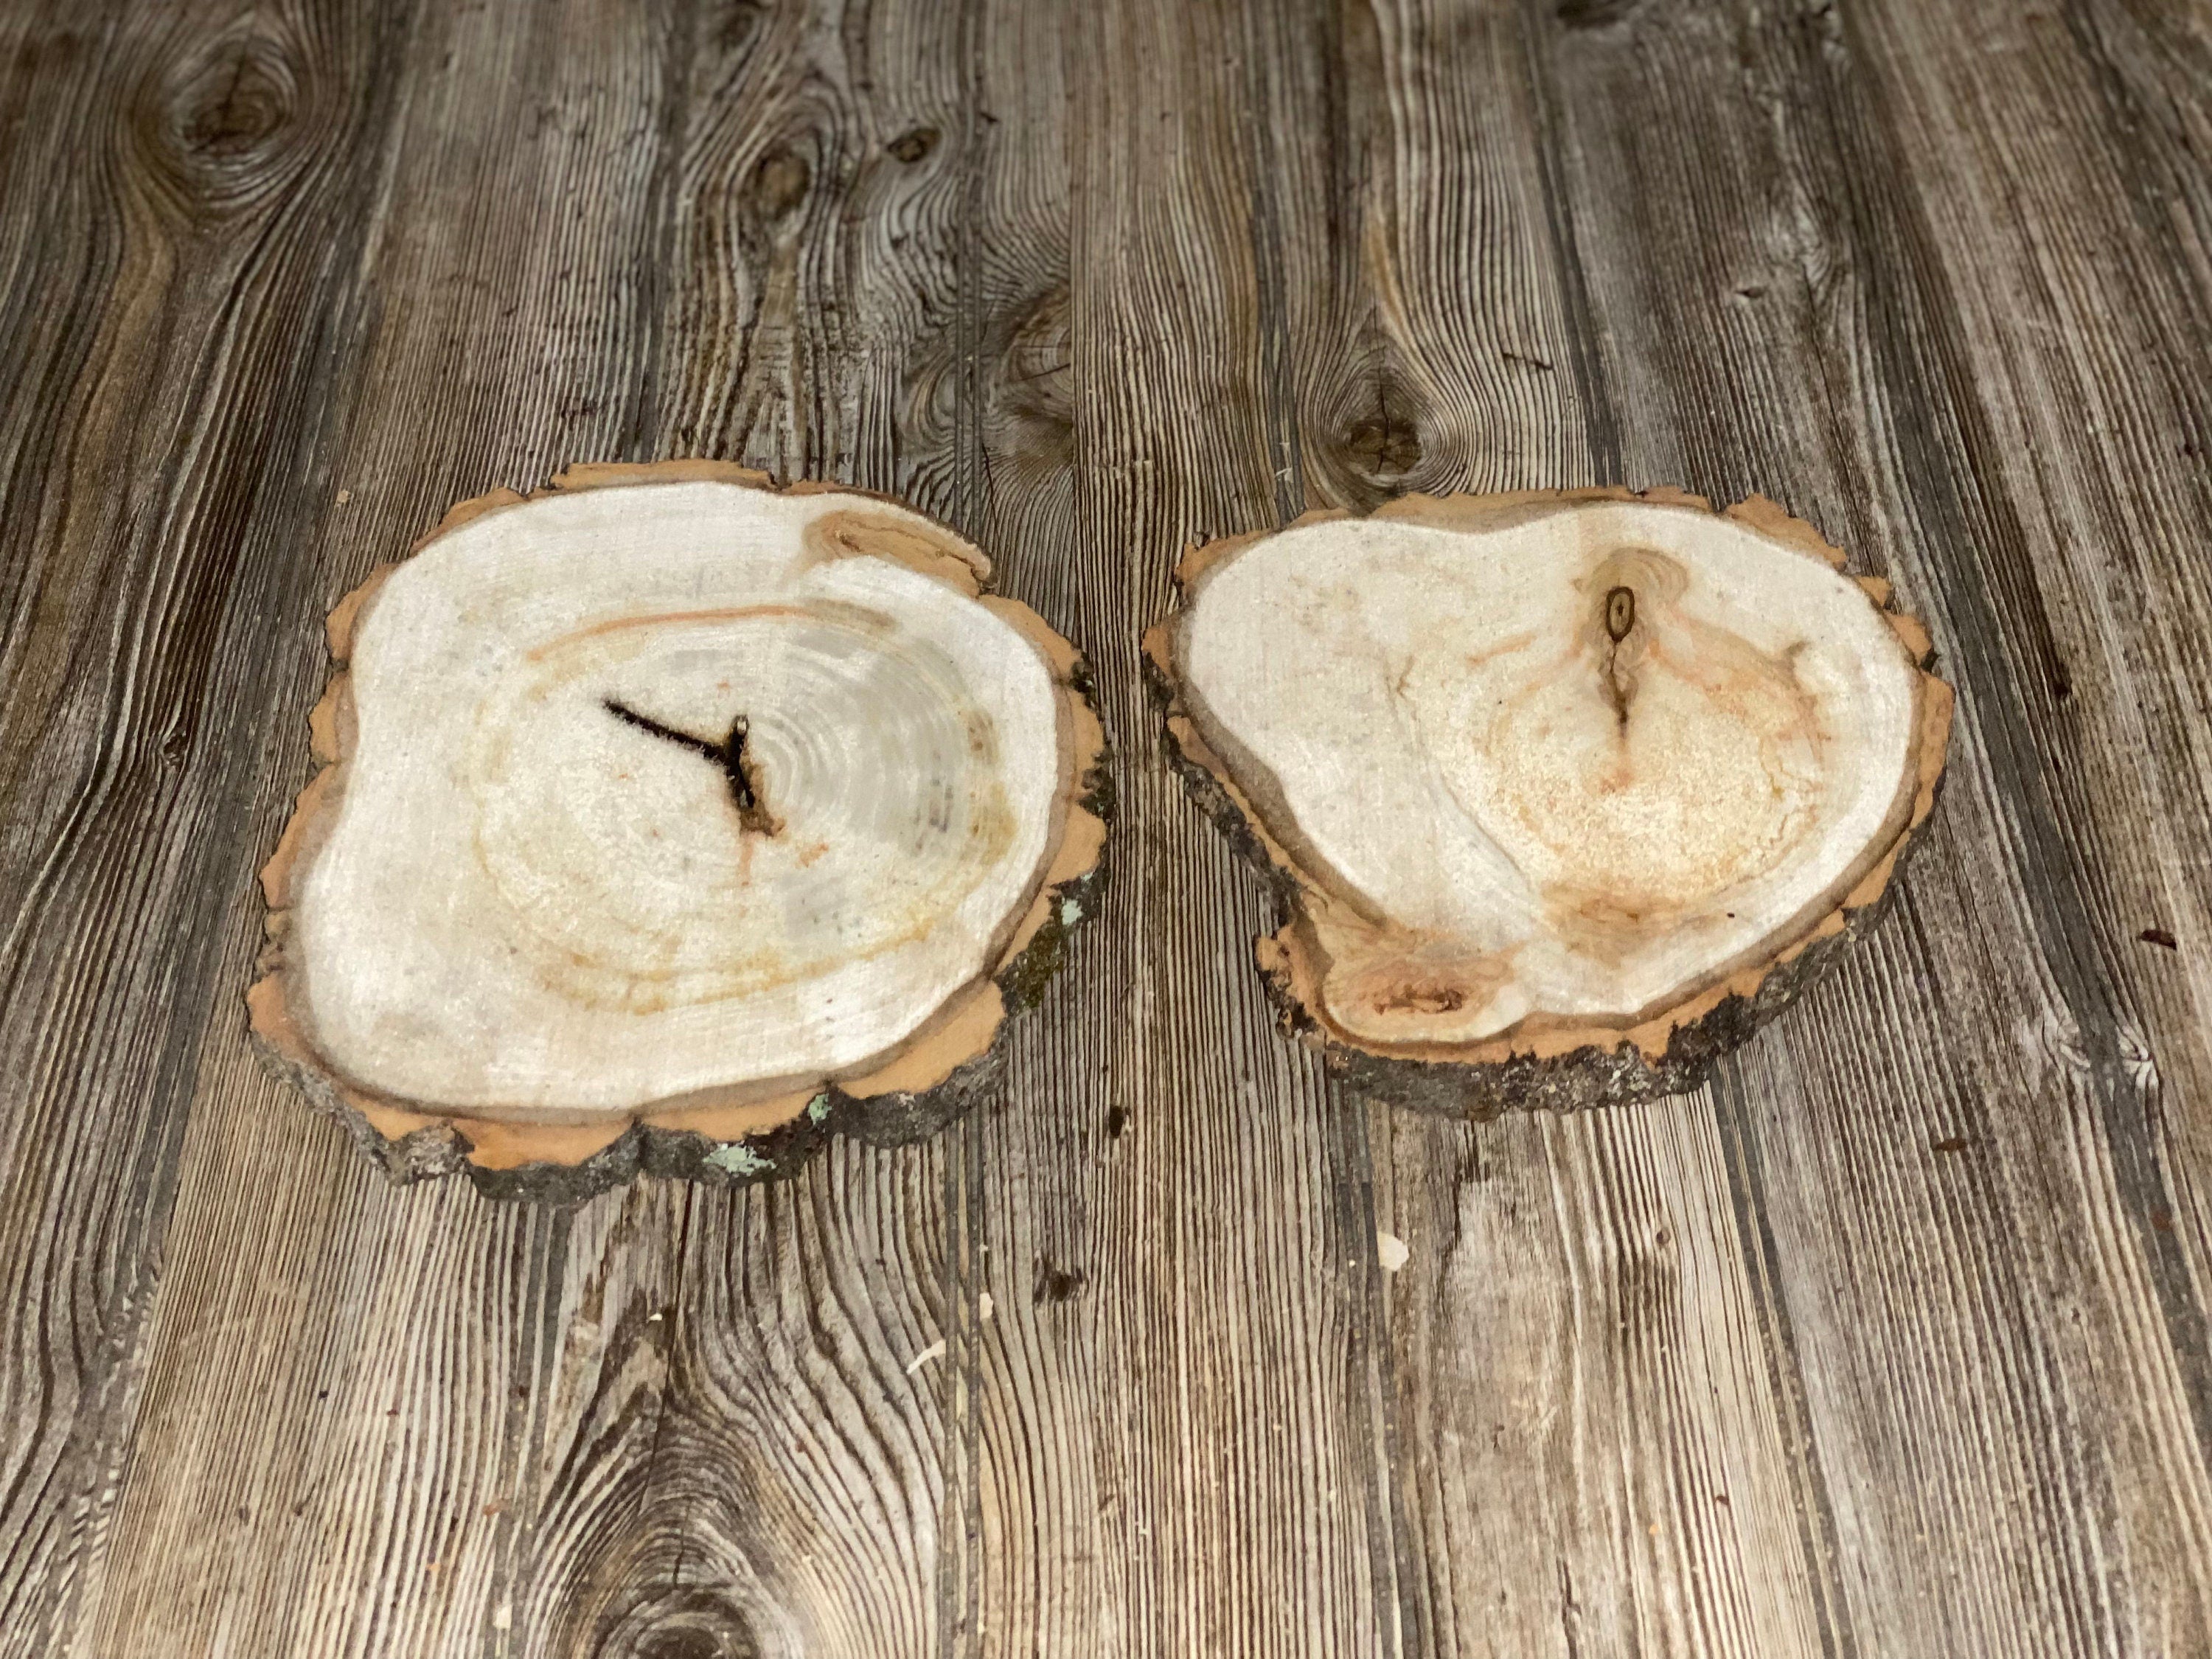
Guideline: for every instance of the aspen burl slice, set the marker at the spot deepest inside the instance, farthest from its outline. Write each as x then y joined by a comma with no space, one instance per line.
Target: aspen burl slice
1568,792
672,822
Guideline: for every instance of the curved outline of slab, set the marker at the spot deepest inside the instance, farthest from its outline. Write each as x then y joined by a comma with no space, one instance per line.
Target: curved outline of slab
1548,1061
733,1137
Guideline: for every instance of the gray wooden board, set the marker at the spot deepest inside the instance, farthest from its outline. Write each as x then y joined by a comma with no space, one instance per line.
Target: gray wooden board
1892,1340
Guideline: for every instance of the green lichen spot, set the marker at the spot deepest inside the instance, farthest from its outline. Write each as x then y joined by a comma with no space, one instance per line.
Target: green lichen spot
738,1159
1071,912
818,1108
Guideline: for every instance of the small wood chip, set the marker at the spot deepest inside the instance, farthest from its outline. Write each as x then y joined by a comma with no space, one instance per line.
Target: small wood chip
1390,1250
933,1351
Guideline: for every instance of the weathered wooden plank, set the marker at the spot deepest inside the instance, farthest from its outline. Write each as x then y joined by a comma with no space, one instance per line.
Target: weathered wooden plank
1037,1545
1944,1145
331,1402
1597,1452
705,1431
744,1460
187,186
2088,319
1598,1447
805,1419
1177,1447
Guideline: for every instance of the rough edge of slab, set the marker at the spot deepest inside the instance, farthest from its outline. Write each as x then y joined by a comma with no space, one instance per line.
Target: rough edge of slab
932,1080
1659,1051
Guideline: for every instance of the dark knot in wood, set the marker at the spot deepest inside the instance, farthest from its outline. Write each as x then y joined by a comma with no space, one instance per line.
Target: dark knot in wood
696,1642
1619,616
1386,447
738,768
675,1624
1056,1284
912,147
1620,613
780,184
1033,388
227,124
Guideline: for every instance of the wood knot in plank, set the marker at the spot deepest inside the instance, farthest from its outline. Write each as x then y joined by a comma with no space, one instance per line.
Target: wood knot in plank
681,1623
1032,390
779,184
1385,446
1593,13
914,146
1056,1283
225,120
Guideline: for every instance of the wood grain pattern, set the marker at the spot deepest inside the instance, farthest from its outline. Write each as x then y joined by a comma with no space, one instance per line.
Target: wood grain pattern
1825,278
1185,1426
1891,1341
1556,1330
179,284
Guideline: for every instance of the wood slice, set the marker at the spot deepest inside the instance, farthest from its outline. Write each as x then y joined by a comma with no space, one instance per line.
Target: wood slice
1568,792
672,821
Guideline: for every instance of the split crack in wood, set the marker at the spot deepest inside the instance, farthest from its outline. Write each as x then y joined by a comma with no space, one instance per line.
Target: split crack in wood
729,756
1619,621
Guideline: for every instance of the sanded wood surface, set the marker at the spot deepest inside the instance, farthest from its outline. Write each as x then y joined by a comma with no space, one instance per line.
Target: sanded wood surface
1892,1340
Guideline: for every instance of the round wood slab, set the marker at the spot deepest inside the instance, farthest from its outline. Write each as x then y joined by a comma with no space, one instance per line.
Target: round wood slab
672,821
1568,792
